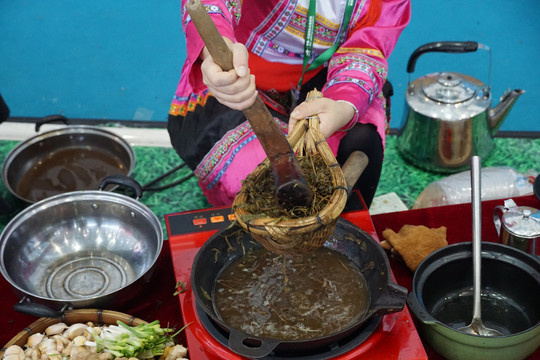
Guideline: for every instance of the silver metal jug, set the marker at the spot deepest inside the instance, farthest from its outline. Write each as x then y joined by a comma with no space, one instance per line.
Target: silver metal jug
517,226
448,115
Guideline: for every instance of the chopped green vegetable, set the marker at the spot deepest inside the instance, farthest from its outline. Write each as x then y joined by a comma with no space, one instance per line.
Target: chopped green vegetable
142,341
182,286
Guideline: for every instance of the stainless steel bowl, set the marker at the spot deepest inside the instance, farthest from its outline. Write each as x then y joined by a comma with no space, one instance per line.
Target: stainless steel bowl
81,249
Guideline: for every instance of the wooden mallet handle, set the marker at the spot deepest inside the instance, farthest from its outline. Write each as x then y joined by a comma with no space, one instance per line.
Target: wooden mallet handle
291,188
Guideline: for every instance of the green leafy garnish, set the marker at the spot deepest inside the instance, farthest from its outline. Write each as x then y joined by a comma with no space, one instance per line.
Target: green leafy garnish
143,341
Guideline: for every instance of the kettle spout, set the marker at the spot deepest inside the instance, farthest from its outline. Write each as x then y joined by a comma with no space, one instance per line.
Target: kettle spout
500,112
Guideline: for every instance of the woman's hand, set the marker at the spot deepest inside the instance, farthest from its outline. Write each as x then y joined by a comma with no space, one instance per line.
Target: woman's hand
333,114
234,88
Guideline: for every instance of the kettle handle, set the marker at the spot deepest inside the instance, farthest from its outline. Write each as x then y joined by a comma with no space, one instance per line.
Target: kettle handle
441,46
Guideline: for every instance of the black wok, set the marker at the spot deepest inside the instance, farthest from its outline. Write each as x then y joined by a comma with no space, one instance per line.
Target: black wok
385,296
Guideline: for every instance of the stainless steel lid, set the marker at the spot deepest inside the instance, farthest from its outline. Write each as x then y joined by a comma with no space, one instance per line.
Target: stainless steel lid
448,96
449,88
522,221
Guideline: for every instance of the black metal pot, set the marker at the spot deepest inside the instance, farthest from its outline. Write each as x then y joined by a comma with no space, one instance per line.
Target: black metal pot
87,141
441,299
385,296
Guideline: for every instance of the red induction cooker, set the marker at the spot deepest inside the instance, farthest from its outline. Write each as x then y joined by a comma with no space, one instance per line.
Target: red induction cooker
392,336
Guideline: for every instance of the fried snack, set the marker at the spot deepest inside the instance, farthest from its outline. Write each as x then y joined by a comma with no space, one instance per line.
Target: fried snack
414,242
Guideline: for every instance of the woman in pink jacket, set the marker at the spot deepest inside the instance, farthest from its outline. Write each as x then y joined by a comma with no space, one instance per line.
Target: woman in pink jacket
277,56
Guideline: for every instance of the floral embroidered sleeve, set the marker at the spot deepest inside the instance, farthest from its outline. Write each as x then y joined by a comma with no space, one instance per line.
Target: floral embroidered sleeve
358,69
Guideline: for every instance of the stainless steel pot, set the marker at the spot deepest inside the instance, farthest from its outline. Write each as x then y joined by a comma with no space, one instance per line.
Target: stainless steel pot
82,249
441,300
50,163
448,118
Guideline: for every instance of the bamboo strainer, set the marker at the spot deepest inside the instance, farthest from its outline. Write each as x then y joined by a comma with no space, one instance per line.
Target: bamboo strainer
292,236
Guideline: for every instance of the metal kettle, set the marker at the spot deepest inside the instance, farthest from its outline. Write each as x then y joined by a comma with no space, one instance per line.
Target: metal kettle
448,115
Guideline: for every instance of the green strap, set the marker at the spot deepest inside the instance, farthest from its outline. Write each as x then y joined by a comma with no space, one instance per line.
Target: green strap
310,33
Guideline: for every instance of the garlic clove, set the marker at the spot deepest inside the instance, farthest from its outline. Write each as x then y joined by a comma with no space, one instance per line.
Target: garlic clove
55,329
31,353
36,355
79,341
54,355
47,344
78,351
176,352
75,330
69,347
11,357
15,352
59,343
64,339
34,340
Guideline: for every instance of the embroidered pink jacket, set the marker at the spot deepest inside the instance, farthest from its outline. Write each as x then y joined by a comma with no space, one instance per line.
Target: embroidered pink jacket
274,30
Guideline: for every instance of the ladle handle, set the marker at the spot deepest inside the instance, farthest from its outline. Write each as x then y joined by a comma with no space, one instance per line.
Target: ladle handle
476,198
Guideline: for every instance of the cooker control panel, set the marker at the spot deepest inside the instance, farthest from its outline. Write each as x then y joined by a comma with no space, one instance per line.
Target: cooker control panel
199,220
190,222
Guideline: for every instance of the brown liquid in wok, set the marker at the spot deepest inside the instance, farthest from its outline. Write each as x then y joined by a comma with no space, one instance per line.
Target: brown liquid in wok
291,298
70,169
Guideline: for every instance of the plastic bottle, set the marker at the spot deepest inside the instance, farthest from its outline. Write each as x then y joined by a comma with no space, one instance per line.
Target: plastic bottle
496,182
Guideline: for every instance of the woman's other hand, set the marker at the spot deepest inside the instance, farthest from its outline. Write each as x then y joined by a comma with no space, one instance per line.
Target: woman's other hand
234,88
333,114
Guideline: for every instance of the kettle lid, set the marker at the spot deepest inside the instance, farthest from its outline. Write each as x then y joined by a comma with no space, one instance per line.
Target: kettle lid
448,88
522,221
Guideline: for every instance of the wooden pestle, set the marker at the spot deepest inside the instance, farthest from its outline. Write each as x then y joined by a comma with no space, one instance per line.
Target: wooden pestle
291,188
